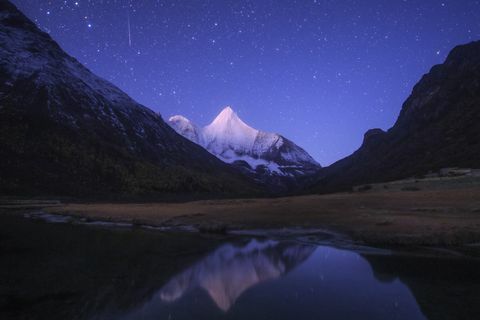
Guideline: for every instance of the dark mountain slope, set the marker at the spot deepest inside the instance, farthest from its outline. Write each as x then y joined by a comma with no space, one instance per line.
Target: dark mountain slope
65,131
438,126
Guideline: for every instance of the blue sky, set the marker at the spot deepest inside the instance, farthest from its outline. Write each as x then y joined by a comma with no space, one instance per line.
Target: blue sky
320,72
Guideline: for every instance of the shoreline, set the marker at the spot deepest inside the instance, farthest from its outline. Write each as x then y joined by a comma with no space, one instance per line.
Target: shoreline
447,218
315,237
102,256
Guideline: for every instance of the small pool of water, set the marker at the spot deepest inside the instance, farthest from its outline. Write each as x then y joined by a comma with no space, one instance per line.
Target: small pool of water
68,271
267,279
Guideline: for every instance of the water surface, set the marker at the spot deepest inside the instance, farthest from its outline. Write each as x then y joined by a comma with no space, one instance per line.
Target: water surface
267,279
68,271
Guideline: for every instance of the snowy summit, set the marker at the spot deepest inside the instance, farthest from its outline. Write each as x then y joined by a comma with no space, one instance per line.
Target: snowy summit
234,141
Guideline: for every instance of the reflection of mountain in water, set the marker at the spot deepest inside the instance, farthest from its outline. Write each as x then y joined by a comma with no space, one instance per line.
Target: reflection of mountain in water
115,274
230,270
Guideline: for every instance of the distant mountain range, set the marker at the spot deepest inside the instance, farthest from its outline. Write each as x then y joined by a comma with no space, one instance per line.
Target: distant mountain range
438,127
65,131
233,141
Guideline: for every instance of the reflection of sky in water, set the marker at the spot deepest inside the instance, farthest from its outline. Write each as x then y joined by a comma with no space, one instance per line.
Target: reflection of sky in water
278,280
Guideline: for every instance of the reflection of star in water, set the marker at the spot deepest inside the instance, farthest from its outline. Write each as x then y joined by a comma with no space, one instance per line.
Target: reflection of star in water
230,270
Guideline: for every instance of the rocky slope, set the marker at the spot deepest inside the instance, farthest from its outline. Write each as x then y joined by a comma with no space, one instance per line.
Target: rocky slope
65,131
264,155
438,127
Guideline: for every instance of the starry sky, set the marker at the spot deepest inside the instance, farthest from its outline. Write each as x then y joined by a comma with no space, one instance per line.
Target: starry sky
320,72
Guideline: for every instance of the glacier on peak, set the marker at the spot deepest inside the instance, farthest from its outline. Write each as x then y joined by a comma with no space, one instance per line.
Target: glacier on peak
231,140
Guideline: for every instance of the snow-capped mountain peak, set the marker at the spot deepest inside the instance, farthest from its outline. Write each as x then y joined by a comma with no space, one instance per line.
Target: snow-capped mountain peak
232,140
228,131
228,118
225,115
186,128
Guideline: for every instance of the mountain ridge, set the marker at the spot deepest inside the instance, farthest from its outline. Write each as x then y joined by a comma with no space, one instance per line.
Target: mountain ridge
438,127
65,131
232,140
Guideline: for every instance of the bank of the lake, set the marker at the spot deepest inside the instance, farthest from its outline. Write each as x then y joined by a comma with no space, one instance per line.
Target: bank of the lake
441,217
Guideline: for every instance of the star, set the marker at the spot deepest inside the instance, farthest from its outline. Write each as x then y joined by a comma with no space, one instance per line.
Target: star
340,56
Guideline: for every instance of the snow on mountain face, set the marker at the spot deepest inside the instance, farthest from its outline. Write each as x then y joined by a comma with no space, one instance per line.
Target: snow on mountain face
231,139
186,128
229,132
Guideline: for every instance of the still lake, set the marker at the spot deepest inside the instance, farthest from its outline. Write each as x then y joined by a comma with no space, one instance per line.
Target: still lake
68,271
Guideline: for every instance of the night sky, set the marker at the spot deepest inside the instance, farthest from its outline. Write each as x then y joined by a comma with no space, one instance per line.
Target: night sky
320,72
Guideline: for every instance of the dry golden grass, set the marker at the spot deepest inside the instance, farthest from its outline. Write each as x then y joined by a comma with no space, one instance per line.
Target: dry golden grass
400,217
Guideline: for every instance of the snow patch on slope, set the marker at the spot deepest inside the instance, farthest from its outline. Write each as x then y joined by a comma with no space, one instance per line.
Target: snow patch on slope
230,157
186,128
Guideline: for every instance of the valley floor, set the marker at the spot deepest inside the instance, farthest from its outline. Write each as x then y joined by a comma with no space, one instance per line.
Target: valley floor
439,217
